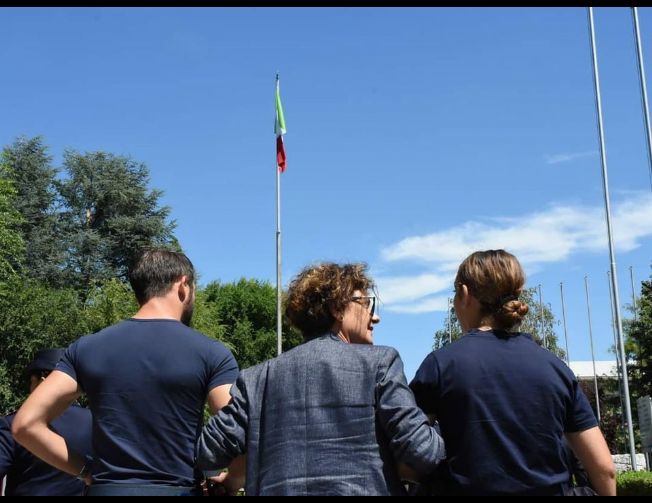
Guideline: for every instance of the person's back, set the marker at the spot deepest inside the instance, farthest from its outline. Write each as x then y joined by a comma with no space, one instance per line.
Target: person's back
503,406
146,382
503,403
315,409
27,475
333,416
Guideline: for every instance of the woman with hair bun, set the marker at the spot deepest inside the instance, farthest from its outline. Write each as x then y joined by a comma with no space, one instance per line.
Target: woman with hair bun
504,404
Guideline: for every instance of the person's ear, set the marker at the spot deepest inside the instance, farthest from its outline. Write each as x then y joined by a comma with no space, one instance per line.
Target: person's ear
183,289
465,294
337,316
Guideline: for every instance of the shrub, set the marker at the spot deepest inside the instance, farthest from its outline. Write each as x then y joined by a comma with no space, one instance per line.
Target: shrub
634,484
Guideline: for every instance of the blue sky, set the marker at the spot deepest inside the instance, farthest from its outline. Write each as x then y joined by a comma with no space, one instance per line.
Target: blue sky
415,136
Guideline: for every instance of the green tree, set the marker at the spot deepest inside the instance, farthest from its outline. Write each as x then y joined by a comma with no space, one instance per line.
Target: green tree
33,316
108,304
243,316
27,164
11,242
532,324
639,344
110,214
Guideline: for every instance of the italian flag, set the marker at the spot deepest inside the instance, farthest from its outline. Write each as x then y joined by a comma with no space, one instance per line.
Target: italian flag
279,130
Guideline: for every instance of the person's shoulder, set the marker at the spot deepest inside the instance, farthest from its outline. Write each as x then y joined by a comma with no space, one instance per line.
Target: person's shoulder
376,351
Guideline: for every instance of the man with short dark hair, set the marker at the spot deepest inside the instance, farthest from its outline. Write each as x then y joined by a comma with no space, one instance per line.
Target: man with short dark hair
147,379
26,474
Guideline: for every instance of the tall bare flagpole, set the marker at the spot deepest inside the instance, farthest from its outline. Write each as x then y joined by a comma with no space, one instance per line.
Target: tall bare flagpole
563,314
450,328
279,130
618,369
631,277
612,255
543,327
641,80
595,375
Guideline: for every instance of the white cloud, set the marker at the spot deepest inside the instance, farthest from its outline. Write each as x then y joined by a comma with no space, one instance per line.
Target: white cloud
548,236
406,288
557,158
423,306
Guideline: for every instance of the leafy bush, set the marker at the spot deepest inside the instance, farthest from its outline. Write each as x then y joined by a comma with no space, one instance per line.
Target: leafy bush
634,484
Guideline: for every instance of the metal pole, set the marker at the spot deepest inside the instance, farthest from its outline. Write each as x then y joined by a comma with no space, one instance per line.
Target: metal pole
641,80
279,324
595,375
563,314
612,255
543,328
631,277
619,371
450,329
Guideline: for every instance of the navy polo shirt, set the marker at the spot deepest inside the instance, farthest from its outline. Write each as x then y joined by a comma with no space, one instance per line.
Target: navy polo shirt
503,405
27,475
147,382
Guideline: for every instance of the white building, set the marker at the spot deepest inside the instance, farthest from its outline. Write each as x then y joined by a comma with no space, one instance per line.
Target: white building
603,368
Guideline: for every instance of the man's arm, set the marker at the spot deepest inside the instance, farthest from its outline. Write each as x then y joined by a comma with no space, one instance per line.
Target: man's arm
234,479
591,449
219,397
30,427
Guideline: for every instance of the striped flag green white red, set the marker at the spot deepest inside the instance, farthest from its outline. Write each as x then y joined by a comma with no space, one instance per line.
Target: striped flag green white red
279,130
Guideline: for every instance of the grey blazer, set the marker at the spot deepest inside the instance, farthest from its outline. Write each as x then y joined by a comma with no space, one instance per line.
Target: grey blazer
325,418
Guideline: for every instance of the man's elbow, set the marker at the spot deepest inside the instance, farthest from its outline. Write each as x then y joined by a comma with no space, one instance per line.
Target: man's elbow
20,428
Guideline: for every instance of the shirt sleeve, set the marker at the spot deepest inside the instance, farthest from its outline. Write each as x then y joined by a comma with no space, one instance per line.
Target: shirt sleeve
68,362
224,369
7,447
580,416
412,440
225,435
425,384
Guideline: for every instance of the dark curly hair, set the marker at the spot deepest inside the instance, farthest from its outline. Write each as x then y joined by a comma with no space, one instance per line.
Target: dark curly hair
321,290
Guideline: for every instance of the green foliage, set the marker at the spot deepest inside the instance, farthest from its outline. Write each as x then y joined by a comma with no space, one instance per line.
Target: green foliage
11,243
243,316
27,164
109,303
532,324
639,344
109,216
32,317
634,484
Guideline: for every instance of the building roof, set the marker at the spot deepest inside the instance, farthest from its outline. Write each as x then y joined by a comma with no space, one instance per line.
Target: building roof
584,369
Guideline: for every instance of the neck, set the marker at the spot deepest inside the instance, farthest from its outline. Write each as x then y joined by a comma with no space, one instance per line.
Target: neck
158,308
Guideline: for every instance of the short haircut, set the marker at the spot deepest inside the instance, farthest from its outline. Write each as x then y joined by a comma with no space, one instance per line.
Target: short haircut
320,290
155,271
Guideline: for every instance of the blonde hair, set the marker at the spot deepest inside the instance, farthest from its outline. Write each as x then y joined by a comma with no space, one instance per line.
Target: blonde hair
495,278
321,290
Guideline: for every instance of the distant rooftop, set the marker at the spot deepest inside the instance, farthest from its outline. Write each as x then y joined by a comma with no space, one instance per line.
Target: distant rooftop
584,369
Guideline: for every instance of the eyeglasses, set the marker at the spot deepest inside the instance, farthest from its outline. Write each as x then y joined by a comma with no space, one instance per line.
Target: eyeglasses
368,301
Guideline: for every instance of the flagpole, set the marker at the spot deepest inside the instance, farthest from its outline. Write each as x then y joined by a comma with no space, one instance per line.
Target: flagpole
563,313
543,327
279,329
618,369
641,79
595,375
279,324
450,329
612,255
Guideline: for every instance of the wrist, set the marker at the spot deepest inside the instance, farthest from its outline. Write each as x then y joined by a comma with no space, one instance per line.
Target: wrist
85,472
